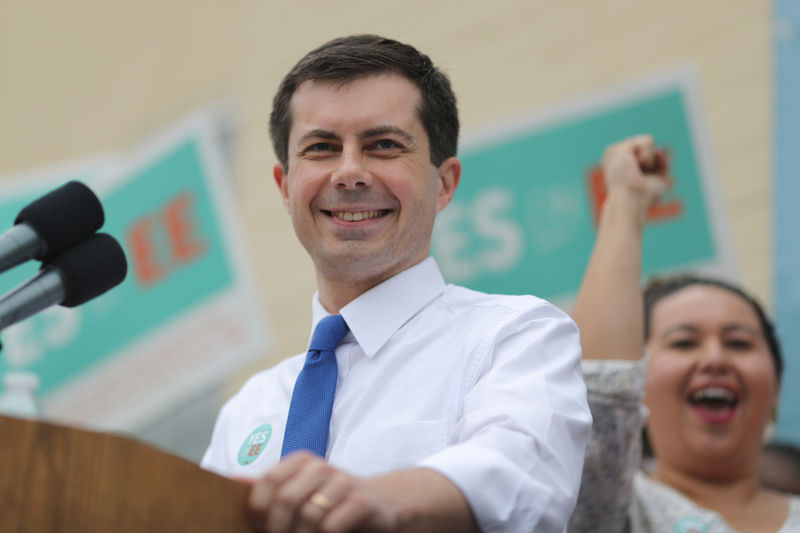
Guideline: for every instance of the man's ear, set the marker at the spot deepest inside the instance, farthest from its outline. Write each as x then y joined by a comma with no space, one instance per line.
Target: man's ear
449,173
282,181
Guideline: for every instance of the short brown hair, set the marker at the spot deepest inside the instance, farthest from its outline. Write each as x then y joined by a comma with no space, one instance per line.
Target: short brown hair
346,59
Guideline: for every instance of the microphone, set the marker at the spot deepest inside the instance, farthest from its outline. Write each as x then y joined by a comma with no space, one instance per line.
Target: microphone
75,277
51,224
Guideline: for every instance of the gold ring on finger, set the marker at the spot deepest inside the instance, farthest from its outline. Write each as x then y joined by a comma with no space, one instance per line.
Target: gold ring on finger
321,501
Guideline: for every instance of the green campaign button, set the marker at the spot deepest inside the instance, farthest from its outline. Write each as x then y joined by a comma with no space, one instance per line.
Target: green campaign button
254,444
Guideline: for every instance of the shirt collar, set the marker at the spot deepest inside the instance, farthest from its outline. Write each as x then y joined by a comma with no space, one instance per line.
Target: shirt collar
377,314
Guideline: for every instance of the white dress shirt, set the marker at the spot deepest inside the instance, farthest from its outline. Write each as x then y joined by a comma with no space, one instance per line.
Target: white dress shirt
484,389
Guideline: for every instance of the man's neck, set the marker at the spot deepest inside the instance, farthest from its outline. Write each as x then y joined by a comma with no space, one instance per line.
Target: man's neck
334,296
335,292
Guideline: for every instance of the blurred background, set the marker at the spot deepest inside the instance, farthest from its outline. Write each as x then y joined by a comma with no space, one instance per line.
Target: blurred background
162,107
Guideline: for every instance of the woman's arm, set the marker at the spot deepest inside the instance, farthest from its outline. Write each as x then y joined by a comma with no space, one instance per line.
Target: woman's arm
609,309
609,313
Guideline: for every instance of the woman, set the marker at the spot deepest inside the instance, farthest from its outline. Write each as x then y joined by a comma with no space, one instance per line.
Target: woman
712,381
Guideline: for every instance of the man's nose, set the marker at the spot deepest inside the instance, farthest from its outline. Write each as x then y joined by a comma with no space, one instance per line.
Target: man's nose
351,173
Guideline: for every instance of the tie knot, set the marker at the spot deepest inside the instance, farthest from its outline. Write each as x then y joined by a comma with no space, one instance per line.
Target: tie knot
329,333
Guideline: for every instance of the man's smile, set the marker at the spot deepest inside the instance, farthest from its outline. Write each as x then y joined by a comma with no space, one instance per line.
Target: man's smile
356,216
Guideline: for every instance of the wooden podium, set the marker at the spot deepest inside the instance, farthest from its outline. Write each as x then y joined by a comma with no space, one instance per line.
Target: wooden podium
62,479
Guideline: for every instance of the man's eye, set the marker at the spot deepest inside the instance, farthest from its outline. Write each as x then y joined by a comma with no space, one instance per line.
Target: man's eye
320,147
386,144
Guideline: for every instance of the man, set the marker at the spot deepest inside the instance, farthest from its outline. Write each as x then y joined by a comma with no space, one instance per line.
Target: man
453,410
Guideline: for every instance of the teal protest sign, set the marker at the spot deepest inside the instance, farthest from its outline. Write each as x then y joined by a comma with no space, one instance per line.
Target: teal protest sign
165,204
164,219
523,219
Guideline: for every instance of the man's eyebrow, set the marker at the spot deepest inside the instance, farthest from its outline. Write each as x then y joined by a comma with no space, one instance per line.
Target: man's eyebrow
317,134
383,130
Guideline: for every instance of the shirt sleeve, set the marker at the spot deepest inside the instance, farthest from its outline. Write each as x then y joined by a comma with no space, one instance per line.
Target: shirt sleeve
523,428
613,455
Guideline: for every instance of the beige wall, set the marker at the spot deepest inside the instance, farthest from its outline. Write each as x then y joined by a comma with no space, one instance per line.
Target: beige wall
88,76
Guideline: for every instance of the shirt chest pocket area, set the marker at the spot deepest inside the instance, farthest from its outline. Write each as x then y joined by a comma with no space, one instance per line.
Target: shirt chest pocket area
378,451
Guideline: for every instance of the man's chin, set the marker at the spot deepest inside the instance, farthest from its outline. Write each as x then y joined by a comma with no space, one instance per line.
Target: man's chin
358,264
343,264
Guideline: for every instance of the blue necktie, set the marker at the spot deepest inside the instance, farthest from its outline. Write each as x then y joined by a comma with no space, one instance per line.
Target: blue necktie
312,398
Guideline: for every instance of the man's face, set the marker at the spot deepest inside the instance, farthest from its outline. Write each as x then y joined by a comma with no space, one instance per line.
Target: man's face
360,188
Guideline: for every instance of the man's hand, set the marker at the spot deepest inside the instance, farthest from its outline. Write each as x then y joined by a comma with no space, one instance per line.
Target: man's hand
637,169
303,493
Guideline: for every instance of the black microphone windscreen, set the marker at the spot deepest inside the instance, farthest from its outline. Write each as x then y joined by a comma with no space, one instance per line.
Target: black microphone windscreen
90,268
63,217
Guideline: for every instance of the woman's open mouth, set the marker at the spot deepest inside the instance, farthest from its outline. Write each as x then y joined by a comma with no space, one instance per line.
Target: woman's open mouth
714,404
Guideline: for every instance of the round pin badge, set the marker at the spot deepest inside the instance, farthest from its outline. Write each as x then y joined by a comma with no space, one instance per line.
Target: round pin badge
254,444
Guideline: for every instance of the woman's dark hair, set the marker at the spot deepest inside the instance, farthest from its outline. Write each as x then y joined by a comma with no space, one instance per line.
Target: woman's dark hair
347,59
660,288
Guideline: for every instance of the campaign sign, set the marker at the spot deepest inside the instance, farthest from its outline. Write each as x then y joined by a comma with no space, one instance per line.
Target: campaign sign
524,217
185,315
